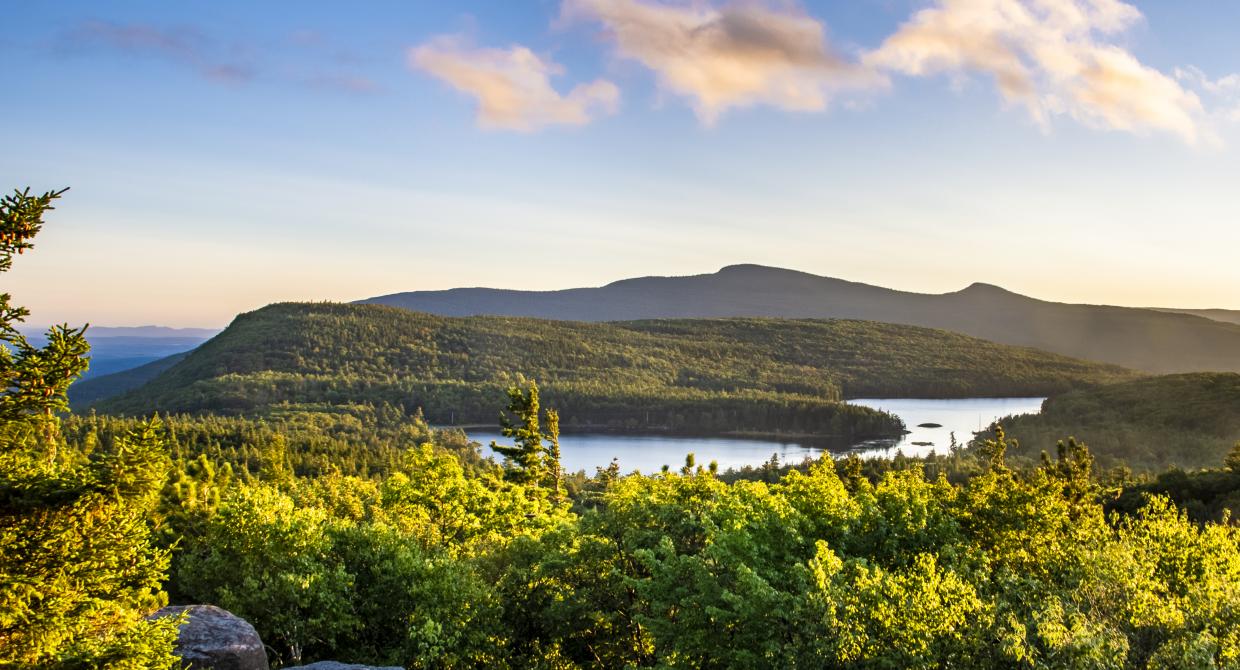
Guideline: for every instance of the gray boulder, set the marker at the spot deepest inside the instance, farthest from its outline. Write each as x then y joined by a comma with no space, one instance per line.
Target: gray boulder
214,639
333,665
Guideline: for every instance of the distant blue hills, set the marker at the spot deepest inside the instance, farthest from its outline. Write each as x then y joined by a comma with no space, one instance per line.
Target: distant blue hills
118,348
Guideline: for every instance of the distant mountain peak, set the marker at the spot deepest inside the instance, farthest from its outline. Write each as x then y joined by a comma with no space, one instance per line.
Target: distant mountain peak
1137,338
983,288
754,267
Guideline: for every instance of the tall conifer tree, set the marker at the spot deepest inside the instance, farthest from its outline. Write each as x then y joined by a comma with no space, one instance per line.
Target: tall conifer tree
534,456
77,569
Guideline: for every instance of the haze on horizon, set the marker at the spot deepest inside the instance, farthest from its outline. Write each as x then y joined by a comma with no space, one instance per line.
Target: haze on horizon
1071,150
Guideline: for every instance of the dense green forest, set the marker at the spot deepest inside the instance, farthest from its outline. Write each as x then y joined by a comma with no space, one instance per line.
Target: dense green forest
1206,495
716,376
433,559
1186,421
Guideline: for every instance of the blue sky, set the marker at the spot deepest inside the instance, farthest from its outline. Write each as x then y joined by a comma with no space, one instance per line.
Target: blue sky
227,155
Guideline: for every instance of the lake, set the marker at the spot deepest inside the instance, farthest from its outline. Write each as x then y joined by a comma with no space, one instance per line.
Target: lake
649,453
964,417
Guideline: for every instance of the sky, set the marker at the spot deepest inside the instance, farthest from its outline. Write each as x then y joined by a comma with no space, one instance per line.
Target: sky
222,156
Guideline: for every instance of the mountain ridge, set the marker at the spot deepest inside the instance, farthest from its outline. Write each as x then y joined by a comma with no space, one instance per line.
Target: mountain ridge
1150,340
1224,315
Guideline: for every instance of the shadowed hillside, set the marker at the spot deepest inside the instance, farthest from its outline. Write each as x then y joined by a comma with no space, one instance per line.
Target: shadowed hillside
1143,339
710,376
1187,420
88,391
1224,315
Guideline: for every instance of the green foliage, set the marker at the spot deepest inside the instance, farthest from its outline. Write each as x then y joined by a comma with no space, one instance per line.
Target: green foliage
78,571
435,561
1232,462
529,460
378,571
1206,495
35,379
1009,570
1186,421
422,608
703,376
526,460
995,449
266,559
358,440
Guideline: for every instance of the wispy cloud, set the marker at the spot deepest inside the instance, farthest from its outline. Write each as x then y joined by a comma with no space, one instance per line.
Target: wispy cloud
336,67
345,83
1054,57
320,65
1223,93
737,55
186,46
513,86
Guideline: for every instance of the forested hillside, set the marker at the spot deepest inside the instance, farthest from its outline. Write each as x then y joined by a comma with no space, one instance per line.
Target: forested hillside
734,375
1189,421
1143,339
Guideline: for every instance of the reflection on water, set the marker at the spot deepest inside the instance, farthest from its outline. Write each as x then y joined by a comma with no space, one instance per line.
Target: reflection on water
649,453
961,417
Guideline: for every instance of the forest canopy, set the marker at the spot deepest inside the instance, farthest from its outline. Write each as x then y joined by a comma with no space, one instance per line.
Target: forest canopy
1185,421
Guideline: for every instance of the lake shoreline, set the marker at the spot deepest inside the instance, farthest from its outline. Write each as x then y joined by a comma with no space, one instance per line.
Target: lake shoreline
817,440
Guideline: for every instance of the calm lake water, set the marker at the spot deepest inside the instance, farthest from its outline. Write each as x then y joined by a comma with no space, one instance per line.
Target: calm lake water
962,417
649,453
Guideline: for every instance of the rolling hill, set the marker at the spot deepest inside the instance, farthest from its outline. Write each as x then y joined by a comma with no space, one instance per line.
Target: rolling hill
704,376
1143,339
1185,420
1224,315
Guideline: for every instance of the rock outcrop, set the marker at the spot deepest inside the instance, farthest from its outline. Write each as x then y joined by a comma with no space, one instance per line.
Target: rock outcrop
214,639
333,665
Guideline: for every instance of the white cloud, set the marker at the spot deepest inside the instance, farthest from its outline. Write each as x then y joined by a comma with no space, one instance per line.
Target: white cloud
513,86
738,55
1054,57
1223,93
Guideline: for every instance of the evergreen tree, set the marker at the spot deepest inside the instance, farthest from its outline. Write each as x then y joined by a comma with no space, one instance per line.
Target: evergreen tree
526,458
995,450
77,568
523,459
534,456
555,470
1232,462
